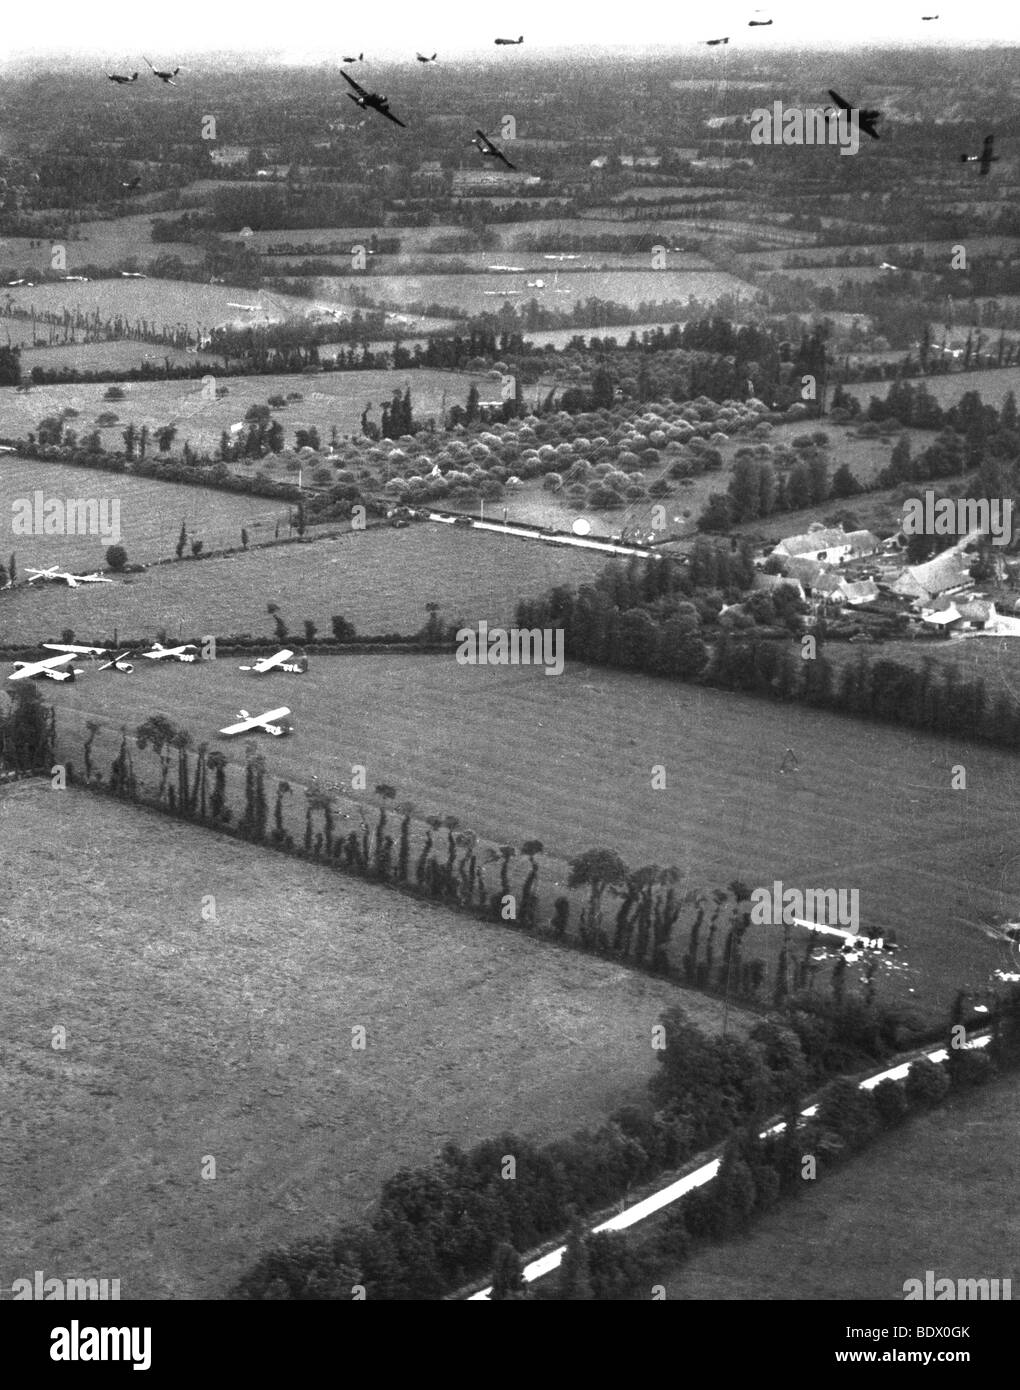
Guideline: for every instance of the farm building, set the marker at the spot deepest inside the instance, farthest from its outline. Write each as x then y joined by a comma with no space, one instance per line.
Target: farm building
826,544
948,573
770,582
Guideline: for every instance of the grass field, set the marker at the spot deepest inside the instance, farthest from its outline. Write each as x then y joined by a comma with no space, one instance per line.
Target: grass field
380,580
514,754
467,292
992,385
995,660
329,398
853,1237
187,1038
151,513
125,355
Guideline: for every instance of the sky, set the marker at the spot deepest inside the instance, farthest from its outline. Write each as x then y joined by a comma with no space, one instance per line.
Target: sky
118,30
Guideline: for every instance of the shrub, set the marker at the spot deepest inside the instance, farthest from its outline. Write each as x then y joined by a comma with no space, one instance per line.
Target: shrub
116,558
891,1102
114,393
926,1084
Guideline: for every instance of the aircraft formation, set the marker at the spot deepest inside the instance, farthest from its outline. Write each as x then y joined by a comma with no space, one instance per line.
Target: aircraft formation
373,101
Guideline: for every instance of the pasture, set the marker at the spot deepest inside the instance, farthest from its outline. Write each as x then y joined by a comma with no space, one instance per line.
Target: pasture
380,579
515,754
992,385
328,399
468,292
187,1037
851,1237
109,242
162,303
125,355
150,515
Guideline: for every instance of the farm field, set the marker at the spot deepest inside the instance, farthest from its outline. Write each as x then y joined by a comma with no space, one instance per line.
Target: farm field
995,660
481,261
826,255
103,243
187,1038
163,303
380,579
329,398
850,1237
992,386
516,754
119,356
468,292
151,513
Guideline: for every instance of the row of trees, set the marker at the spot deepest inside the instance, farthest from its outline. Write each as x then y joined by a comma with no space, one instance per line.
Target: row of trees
438,1226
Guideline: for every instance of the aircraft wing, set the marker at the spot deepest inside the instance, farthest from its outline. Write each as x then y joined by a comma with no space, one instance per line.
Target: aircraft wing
272,715
269,662
843,105
390,117
77,651
33,668
240,728
356,85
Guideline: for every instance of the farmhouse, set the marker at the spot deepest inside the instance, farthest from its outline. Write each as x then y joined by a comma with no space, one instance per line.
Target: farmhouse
948,573
825,544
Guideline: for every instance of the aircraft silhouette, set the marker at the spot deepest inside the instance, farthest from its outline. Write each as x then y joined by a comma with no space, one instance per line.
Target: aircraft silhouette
422,58
117,77
865,119
370,100
519,39
354,60
485,147
166,77
712,42
758,23
929,16
986,158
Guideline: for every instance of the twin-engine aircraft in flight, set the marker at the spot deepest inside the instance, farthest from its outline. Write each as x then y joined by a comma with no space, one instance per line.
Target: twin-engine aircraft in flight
509,42
370,100
985,159
486,148
281,661
252,723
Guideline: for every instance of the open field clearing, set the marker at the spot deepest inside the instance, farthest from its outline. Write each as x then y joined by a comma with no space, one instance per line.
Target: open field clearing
151,513
163,303
995,660
853,1237
468,292
104,243
380,580
827,255
514,754
329,398
481,262
122,356
187,1038
992,385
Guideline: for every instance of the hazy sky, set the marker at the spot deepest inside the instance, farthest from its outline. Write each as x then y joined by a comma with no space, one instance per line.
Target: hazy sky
119,30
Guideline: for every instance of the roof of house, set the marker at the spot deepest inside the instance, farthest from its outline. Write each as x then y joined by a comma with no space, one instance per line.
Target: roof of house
862,591
825,538
769,582
864,541
942,618
977,610
805,569
949,570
